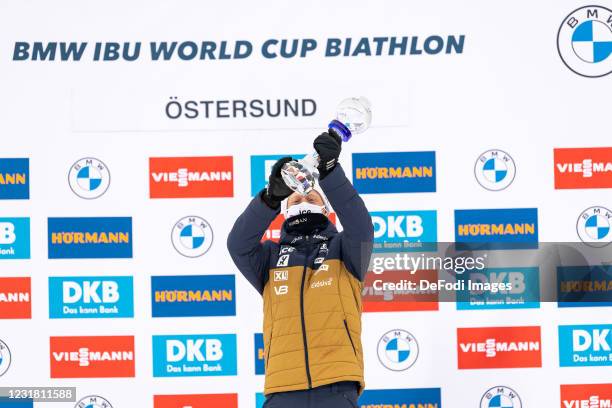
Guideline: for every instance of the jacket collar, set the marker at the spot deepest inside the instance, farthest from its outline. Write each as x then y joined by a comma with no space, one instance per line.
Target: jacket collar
306,228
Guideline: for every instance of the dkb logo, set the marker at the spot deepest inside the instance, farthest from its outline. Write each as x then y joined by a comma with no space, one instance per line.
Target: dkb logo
404,230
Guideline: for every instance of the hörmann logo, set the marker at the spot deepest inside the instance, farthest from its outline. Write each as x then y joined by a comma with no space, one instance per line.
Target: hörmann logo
584,286
102,237
404,398
511,228
204,295
92,357
583,167
499,347
14,179
191,177
394,172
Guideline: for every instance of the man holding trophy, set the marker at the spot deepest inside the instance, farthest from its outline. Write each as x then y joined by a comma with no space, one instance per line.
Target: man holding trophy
311,281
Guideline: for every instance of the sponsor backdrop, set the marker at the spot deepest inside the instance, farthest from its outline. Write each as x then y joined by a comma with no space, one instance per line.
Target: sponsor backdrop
134,134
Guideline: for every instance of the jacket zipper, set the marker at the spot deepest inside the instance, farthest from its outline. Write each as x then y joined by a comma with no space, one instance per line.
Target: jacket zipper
269,351
302,315
349,336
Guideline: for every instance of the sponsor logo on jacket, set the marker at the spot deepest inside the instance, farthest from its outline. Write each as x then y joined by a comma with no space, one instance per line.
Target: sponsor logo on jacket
91,297
583,168
408,397
394,172
194,355
401,231
524,292
499,347
15,298
196,401
191,177
586,395
511,228
101,237
585,345
203,295
14,238
14,179
92,356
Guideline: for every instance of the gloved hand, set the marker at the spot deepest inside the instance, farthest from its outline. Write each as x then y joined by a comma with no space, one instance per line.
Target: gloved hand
328,145
276,190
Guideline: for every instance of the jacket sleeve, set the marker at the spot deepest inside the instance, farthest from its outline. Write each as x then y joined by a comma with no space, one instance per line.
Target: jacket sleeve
358,233
244,242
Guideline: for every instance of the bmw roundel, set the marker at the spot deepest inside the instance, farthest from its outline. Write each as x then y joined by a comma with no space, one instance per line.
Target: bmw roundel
89,178
192,236
584,41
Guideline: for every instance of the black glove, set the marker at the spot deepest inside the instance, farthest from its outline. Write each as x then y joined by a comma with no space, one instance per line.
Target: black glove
328,145
276,190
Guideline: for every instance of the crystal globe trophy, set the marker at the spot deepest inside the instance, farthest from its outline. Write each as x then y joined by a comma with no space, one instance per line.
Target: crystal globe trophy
353,116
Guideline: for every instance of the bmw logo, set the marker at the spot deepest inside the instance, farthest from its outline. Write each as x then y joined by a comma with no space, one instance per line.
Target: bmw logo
5,358
93,401
89,178
495,170
192,236
501,397
584,41
594,226
397,350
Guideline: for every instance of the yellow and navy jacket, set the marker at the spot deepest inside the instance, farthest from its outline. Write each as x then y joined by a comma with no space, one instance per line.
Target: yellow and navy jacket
311,286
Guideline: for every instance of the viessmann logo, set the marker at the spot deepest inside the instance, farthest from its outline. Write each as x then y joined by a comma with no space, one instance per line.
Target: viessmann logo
101,237
92,357
499,347
15,298
586,396
583,168
191,177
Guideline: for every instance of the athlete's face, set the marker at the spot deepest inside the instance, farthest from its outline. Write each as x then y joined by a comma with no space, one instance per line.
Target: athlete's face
312,198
